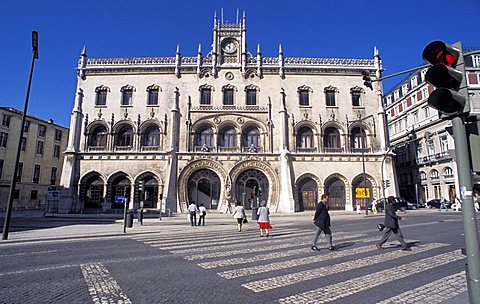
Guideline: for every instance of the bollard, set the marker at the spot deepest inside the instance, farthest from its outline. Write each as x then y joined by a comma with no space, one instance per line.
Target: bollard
140,216
130,219
254,213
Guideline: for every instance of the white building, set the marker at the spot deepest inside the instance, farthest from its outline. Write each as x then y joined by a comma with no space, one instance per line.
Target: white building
424,160
224,125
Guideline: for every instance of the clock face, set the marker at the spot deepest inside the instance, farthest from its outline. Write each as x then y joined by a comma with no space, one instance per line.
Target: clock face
230,47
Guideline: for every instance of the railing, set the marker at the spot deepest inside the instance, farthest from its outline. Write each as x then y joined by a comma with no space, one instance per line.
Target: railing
359,150
333,150
306,150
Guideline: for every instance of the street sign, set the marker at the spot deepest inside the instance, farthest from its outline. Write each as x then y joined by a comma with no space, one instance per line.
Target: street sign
53,195
362,192
120,200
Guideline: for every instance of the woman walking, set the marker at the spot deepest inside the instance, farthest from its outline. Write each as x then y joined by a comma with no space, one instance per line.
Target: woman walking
264,219
239,215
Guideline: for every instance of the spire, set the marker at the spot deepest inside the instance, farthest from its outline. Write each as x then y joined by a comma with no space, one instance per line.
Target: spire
84,51
244,22
258,50
178,49
280,51
215,19
82,63
199,48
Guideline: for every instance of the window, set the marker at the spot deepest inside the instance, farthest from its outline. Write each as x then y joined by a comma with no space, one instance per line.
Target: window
101,98
423,74
434,175
19,172
427,112
39,150
153,96
414,98
98,137
356,93
33,194
56,151
151,137
26,126
425,92
3,139
419,151
332,138
415,117
423,176
330,98
251,137
431,148
58,135
404,89
414,81
16,194
23,146
443,143
304,98
206,96
42,130
1,168
53,176
127,95
125,136
6,120
396,95
358,138
36,174
448,173
389,100
305,138
228,97
251,95
476,61
204,137
228,137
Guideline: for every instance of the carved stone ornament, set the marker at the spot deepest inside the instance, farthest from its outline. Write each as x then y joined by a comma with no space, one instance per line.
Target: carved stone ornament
229,76
240,120
217,120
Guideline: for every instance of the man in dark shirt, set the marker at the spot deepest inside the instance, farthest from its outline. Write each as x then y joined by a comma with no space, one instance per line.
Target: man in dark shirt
322,221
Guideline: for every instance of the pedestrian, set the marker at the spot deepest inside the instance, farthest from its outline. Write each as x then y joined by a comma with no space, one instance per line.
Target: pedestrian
357,207
229,203
202,211
264,219
374,207
442,204
391,225
192,209
239,215
322,220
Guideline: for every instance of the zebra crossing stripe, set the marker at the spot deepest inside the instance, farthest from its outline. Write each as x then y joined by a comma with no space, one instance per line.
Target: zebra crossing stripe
102,287
343,289
434,292
266,256
241,272
293,278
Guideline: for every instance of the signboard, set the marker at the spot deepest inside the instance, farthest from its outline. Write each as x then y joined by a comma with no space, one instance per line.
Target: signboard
120,200
53,195
362,192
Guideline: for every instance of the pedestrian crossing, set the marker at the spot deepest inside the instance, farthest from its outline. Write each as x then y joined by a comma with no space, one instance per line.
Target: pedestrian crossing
285,268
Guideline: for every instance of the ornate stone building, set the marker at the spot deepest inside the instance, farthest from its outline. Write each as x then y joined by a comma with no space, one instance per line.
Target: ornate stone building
223,126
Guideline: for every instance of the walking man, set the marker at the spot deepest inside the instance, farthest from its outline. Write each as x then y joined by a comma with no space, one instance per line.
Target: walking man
322,221
391,225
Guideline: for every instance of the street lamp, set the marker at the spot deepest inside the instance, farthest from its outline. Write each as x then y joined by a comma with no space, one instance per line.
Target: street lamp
8,214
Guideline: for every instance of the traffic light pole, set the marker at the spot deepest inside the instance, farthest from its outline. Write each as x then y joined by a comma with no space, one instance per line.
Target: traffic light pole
468,211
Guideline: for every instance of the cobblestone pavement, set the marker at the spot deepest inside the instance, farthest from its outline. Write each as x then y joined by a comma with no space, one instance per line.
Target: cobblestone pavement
172,262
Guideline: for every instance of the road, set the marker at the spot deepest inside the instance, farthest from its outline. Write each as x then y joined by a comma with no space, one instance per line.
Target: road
172,262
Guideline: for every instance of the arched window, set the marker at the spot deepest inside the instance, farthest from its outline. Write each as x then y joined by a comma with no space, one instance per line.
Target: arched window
98,137
251,137
227,137
305,138
434,175
448,172
127,95
205,95
101,95
358,138
330,98
124,137
151,136
423,176
331,138
204,137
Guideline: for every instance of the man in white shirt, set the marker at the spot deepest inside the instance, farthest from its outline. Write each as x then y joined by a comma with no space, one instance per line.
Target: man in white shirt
192,209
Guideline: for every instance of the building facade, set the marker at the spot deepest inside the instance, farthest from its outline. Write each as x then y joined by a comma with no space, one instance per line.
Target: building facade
224,127
41,158
424,160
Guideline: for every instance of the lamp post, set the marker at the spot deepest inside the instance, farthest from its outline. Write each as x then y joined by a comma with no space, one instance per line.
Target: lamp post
8,214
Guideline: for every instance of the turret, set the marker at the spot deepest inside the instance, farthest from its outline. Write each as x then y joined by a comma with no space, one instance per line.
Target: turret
259,62
178,61
281,63
82,63
199,59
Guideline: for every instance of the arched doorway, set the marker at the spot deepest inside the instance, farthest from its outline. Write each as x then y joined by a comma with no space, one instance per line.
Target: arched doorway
358,183
251,188
335,189
91,189
204,188
120,187
150,191
307,194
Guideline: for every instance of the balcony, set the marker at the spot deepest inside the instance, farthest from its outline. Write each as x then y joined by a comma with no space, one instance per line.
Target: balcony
306,150
333,150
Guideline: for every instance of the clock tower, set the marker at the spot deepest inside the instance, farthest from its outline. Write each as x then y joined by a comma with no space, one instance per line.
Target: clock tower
229,43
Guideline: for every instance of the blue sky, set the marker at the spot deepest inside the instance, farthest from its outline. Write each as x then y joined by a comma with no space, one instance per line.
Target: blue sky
122,28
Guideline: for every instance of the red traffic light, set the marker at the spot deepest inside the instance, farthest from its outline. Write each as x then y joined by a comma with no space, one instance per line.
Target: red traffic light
438,52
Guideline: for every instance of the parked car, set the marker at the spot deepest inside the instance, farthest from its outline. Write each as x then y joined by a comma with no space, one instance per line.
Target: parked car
400,204
436,202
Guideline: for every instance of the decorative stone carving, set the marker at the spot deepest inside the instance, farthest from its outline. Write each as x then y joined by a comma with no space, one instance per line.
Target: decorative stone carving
229,76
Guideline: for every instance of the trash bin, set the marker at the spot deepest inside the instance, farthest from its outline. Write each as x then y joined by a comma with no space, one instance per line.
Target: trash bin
130,219
254,213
